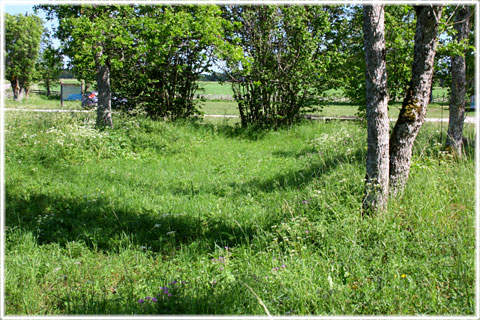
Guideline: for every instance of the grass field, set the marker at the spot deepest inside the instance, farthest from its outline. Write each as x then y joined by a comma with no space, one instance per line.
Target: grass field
42,102
212,89
329,110
216,104
200,218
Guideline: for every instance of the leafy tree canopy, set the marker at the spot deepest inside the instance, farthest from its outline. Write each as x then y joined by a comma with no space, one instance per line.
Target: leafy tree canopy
22,44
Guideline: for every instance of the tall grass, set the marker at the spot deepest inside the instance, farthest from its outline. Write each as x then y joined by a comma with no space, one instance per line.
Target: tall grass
201,218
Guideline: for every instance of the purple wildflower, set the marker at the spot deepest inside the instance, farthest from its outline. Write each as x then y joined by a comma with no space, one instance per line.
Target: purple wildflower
305,201
184,282
140,301
147,298
284,266
154,299
173,282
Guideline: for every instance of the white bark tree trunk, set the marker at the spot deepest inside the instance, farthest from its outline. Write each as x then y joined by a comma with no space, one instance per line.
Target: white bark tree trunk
414,107
457,99
376,180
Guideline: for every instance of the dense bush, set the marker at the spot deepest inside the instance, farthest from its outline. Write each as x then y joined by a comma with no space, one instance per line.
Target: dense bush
277,76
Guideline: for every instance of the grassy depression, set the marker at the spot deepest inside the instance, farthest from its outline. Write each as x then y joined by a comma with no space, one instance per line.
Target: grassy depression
192,218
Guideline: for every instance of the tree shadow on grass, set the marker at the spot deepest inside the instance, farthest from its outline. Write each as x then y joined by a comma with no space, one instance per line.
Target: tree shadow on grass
299,179
102,226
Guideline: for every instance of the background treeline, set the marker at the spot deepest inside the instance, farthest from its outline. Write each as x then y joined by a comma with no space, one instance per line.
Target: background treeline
279,60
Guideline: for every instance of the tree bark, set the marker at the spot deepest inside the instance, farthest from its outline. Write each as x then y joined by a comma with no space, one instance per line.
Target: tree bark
457,99
47,86
15,89
377,163
104,108
26,91
414,106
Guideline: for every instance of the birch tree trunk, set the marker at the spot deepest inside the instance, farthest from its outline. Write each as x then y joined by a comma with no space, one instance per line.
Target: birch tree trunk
104,109
457,99
376,180
414,106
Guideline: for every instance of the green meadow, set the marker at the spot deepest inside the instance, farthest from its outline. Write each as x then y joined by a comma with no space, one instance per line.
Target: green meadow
204,217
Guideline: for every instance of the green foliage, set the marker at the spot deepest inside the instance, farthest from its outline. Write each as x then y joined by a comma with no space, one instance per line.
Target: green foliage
49,64
155,54
274,79
22,45
84,30
203,209
173,47
399,39
449,46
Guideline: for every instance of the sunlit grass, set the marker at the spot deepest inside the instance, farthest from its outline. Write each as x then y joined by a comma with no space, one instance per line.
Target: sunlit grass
194,214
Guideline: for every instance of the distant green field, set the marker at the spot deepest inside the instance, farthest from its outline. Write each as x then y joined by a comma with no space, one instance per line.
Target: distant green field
211,88
332,110
218,101
41,102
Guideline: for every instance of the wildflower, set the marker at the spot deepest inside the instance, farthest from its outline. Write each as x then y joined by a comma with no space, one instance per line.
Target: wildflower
305,201
140,301
284,266
154,299
306,231
404,275
184,282
147,298
173,282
